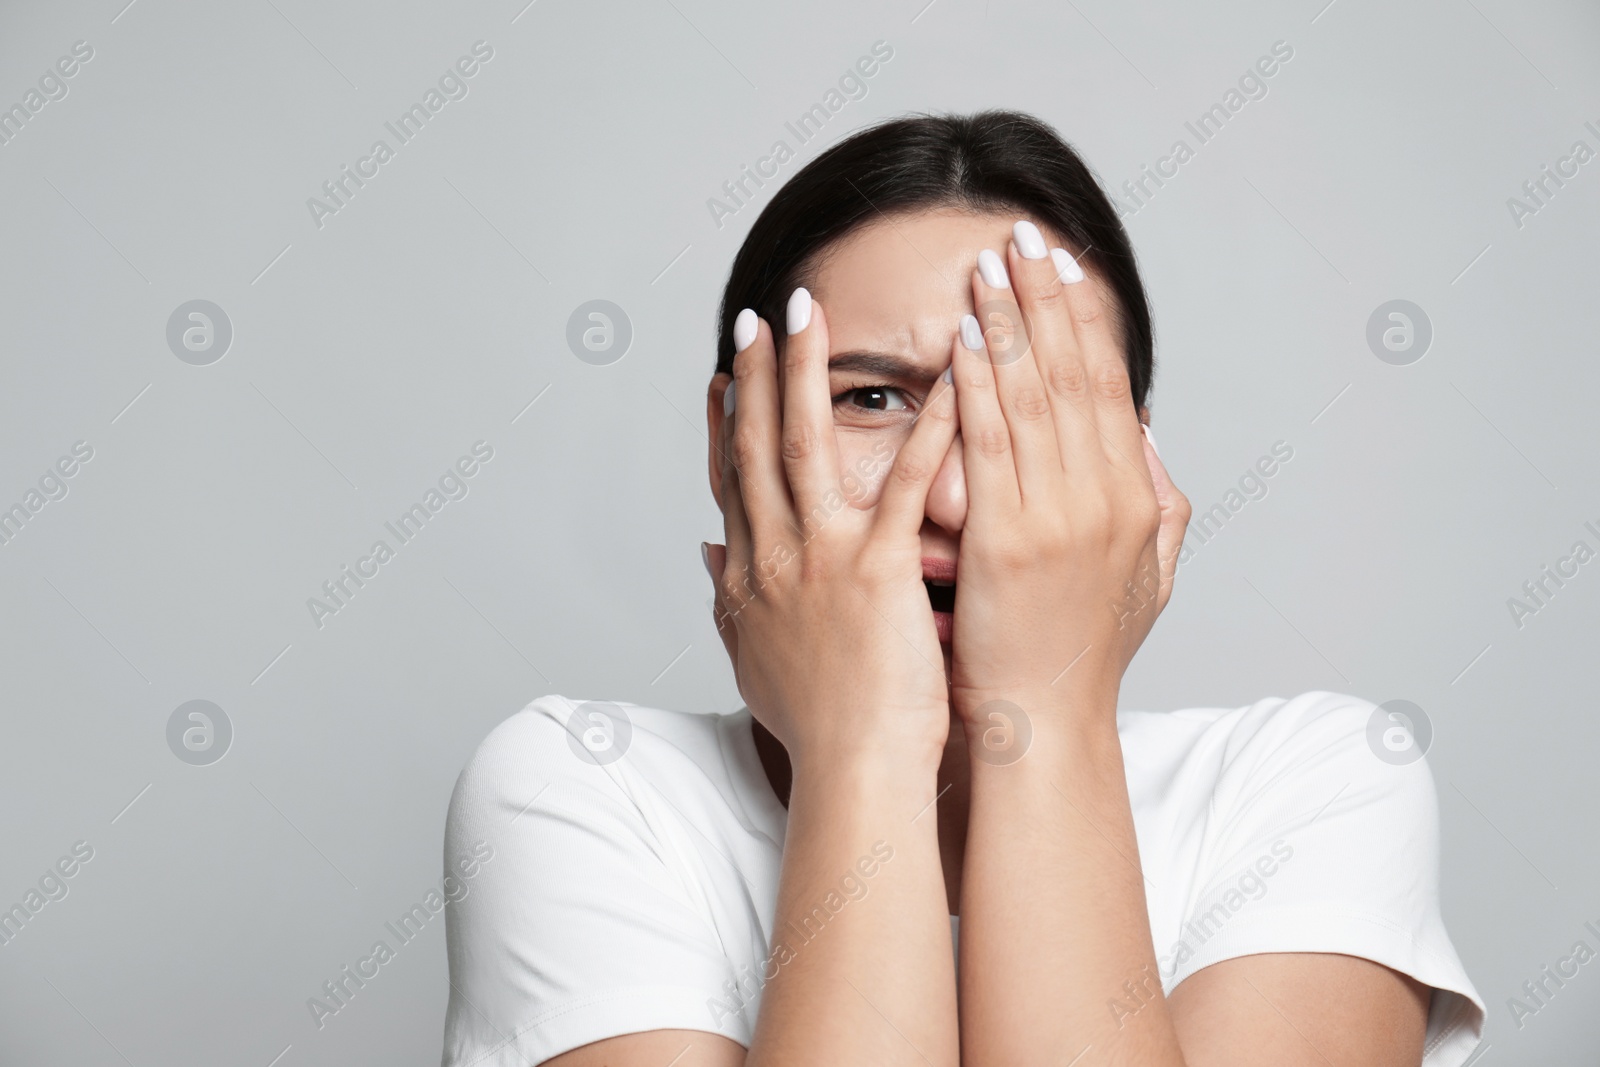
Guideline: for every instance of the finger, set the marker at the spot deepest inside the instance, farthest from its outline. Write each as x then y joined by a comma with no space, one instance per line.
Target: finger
986,440
904,500
1175,514
810,452
763,486
1040,289
1106,369
735,523
1008,338
715,557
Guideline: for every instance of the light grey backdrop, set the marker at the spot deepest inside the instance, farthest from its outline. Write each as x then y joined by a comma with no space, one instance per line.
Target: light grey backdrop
372,346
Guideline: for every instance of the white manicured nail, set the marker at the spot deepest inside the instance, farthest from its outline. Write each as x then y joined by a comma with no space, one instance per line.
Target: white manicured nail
993,271
971,333
744,329
1150,437
1030,242
727,400
705,557
949,375
799,313
1067,269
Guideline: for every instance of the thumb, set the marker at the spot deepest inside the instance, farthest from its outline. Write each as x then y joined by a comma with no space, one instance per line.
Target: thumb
1175,512
715,558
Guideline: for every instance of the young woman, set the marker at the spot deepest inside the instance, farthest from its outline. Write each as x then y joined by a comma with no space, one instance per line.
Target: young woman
947,533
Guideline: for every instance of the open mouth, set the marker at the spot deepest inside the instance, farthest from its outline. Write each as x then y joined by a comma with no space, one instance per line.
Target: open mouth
939,578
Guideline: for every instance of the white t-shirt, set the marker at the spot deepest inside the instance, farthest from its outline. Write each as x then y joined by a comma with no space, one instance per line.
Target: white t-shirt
635,891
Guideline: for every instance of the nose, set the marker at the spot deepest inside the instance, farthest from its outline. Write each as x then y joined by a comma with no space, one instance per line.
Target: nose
947,496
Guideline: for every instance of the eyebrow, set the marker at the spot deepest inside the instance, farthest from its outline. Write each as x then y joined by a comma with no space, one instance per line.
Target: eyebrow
884,364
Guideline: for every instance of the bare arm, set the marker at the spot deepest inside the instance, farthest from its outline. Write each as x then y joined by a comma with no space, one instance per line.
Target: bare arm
1070,544
822,608
1073,969
861,969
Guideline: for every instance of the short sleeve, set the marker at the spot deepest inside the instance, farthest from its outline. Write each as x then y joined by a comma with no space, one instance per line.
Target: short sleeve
578,927
1323,841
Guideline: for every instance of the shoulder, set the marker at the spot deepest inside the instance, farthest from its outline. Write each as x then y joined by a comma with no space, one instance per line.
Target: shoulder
1330,773
1343,749
1306,824
572,751
1316,736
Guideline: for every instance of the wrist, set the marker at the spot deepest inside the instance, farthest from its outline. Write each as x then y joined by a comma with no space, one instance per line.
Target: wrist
1002,727
881,743
861,782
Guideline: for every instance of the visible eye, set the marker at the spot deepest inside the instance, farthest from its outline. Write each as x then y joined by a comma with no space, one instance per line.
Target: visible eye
873,398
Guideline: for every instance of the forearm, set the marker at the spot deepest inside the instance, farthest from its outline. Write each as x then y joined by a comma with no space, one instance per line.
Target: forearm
1056,955
861,970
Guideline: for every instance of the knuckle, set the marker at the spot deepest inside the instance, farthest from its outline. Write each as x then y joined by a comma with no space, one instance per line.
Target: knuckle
941,412
1048,296
744,365
800,442
1030,402
910,470
1111,381
797,360
745,449
1087,311
1067,378
993,442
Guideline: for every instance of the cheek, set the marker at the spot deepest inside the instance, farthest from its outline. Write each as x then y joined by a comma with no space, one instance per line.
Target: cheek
865,457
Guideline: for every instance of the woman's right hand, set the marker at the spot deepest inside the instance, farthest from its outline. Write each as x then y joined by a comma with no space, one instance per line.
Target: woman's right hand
820,599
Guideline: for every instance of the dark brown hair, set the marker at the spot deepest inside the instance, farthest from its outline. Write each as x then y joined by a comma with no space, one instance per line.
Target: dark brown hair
992,161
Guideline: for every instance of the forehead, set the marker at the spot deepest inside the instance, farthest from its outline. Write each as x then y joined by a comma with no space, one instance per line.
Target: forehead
902,282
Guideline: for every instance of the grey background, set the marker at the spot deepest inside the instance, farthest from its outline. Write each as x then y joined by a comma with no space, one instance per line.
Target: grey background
427,314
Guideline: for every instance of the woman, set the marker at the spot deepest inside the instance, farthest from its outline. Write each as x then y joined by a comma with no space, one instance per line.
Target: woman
948,531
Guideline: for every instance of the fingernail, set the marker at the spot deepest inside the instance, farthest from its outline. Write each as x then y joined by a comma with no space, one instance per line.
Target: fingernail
993,271
1150,437
1030,242
744,330
949,375
1067,269
705,557
727,400
971,334
799,313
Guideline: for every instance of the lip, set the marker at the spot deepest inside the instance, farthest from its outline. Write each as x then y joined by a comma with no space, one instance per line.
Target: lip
937,569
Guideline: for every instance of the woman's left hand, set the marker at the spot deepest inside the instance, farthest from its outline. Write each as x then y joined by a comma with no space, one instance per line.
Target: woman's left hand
1073,528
